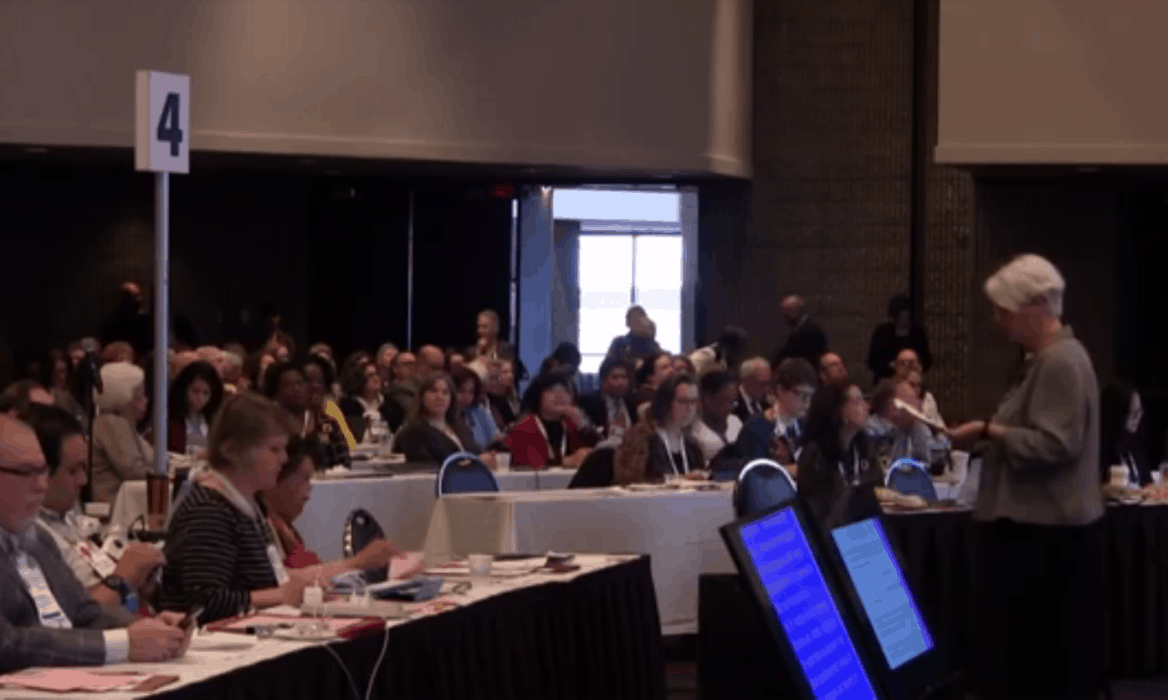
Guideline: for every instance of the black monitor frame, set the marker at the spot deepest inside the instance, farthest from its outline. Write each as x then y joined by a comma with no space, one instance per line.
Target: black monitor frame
825,560
914,680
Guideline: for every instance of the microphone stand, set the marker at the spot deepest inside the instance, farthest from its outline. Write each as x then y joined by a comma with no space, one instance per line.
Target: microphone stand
88,381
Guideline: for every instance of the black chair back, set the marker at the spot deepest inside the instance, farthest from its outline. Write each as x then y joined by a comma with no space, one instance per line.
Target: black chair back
596,471
361,528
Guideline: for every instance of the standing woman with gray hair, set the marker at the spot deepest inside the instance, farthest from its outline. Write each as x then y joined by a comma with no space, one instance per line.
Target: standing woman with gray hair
1039,550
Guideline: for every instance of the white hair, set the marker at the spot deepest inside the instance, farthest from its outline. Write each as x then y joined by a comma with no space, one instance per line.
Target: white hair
753,365
703,359
1025,279
118,382
233,360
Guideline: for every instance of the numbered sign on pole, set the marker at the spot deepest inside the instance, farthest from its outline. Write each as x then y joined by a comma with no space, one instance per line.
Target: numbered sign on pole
163,125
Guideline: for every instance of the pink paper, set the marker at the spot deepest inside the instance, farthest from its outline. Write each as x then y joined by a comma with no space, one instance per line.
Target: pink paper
71,680
336,624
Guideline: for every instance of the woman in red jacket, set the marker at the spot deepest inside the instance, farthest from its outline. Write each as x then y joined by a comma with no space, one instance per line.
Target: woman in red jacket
554,432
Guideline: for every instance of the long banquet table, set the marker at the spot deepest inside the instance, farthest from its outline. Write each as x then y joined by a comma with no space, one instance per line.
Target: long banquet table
937,551
677,529
589,634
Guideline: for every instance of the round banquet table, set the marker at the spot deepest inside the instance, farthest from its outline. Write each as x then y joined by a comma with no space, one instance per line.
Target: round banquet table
736,653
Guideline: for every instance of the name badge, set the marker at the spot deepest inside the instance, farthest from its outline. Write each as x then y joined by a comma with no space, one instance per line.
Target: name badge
114,547
277,565
101,562
48,609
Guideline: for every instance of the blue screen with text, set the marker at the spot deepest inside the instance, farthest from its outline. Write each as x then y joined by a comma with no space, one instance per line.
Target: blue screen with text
886,599
806,609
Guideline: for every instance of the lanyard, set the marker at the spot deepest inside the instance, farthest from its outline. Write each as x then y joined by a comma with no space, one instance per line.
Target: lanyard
855,468
684,458
548,441
48,609
1130,461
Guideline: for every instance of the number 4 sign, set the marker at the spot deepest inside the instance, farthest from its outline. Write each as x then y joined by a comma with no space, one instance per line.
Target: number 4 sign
162,127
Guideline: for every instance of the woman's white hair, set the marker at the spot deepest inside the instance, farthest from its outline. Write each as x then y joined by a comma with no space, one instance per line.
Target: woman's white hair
1025,279
754,364
118,382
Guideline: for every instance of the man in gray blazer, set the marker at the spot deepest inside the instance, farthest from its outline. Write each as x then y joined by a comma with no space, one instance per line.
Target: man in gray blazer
46,618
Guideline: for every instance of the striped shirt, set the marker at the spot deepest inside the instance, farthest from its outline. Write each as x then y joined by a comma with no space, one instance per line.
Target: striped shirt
215,557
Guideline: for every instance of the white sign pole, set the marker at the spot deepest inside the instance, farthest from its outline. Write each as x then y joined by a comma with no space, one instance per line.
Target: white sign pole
162,146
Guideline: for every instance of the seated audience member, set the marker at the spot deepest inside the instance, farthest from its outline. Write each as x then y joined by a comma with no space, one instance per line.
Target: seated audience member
469,402
180,360
502,397
684,365
660,444
75,351
896,433
364,404
652,373
220,554
124,583
232,373
639,343
287,386
431,359
119,452
928,402
194,398
384,361
320,375
780,435
489,345
323,350
754,381
837,454
454,360
285,502
897,334
404,388
46,617
255,369
549,434
832,369
117,352
1121,433
564,360
434,431
60,384
20,395
717,426
612,409
727,352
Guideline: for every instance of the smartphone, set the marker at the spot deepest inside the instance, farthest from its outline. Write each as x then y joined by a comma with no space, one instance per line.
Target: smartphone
191,620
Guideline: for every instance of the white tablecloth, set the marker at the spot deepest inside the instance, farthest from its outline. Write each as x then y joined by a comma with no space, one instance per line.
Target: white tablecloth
401,504
677,529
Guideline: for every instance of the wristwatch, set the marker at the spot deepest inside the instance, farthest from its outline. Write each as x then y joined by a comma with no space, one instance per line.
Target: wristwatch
123,588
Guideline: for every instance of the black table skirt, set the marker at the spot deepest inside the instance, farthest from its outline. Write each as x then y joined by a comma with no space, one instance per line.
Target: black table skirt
737,656
598,636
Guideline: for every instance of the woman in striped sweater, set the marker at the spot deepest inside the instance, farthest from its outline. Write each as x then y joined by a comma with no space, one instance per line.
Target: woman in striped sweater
220,552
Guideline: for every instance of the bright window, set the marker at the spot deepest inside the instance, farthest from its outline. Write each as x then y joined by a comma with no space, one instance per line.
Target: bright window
617,205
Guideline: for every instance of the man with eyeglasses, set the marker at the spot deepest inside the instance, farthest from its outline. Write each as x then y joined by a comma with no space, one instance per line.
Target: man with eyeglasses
779,435
46,617
124,583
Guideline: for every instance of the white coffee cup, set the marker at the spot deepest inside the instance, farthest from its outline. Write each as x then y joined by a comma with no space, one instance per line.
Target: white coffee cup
503,462
480,564
1119,475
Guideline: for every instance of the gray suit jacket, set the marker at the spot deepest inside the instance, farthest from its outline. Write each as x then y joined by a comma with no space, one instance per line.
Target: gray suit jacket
23,642
1044,469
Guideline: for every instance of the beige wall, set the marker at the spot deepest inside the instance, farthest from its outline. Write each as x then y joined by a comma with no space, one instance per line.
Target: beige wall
1053,81
644,84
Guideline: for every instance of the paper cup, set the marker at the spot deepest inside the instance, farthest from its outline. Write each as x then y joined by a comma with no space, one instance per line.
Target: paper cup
480,564
503,462
1119,475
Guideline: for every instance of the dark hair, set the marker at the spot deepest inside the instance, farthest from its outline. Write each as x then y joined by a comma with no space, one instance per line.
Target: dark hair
795,371
178,391
825,421
462,375
550,365
15,397
732,343
52,426
299,448
251,369
899,304
356,359
633,310
689,365
567,354
354,378
645,371
275,373
883,395
417,411
54,357
666,393
1114,404
539,386
326,369
714,381
613,363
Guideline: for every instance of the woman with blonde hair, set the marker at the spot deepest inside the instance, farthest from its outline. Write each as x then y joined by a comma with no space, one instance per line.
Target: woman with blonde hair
220,553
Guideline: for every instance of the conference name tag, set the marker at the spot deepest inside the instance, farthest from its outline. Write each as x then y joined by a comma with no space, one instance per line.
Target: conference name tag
101,562
277,565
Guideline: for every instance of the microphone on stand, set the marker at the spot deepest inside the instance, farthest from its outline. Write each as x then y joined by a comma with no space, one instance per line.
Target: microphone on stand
89,384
